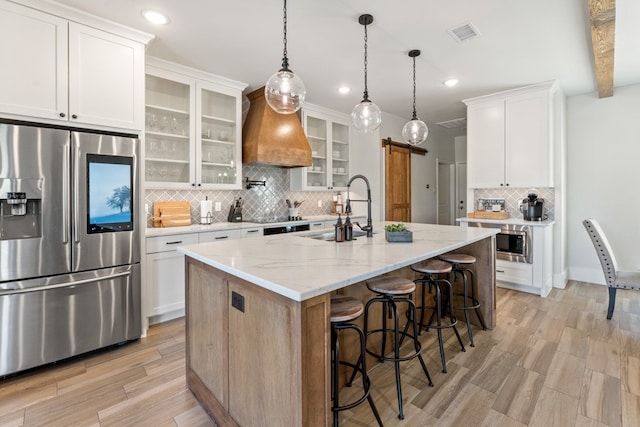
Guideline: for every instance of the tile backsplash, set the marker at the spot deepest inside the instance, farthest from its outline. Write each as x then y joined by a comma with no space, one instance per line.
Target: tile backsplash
514,195
259,202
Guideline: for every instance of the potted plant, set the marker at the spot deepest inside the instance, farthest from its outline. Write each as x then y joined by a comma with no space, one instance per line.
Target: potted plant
397,233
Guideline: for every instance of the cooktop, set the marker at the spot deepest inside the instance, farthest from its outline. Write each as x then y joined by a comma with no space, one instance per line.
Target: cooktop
272,220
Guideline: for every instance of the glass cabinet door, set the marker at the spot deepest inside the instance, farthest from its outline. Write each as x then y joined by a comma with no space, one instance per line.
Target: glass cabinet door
339,154
219,150
167,132
316,130
328,135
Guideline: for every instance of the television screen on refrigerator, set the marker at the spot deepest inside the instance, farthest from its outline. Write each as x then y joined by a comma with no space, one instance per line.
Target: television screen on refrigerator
110,193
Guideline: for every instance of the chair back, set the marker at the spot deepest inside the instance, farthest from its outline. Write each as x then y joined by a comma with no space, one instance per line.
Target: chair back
603,249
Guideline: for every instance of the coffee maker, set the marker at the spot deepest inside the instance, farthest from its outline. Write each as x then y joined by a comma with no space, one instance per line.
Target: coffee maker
532,208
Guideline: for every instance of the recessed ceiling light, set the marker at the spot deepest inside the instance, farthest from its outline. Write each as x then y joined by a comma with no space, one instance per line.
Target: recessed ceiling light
155,17
343,90
451,82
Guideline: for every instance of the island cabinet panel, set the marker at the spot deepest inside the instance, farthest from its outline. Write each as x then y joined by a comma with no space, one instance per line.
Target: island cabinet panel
253,355
207,325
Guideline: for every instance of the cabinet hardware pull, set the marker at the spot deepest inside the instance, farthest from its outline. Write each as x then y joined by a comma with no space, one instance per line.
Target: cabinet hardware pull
221,237
499,271
252,231
174,243
74,116
62,115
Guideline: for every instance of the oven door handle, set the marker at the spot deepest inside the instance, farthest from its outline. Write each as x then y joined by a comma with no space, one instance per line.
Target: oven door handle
64,285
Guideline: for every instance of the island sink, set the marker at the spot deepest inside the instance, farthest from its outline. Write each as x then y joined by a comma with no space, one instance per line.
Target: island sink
329,236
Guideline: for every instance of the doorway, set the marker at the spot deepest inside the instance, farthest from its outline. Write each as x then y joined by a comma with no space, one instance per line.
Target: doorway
445,192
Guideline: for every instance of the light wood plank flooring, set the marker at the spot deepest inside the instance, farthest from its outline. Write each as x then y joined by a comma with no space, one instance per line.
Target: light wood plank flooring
549,362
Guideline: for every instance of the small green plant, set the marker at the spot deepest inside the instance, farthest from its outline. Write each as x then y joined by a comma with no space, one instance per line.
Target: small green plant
395,227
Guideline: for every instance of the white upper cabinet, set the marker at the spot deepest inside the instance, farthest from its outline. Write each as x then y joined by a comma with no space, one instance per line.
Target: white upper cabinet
510,138
106,78
193,133
63,71
328,135
33,78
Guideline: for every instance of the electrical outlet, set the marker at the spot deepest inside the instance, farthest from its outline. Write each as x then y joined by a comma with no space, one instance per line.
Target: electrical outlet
319,203
237,301
218,206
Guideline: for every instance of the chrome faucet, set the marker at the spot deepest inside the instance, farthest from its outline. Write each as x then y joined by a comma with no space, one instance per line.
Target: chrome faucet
369,227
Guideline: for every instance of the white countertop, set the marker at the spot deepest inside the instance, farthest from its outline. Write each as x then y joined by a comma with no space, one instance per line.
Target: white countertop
221,226
300,267
512,221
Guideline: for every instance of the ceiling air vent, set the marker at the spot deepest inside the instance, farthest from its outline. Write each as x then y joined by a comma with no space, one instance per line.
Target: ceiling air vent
464,32
454,124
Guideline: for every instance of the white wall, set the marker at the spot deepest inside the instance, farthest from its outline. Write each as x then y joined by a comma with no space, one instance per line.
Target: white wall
366,160
603,178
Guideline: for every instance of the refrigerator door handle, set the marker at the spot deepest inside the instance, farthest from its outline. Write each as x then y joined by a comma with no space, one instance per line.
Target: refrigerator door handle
65,194
76,190
64,285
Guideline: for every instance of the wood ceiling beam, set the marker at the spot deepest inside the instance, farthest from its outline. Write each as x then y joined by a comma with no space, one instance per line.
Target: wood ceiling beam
602,14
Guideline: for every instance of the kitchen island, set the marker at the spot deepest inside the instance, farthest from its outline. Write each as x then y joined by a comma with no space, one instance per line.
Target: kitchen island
257,313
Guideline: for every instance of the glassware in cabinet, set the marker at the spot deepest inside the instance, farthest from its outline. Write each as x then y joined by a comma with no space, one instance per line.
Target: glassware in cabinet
328,134
339,154
167,130
219,139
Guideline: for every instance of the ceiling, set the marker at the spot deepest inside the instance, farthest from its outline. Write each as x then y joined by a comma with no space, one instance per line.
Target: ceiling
520,43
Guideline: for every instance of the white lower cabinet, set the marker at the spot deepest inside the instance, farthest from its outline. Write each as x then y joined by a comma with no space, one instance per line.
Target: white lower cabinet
252,232
535,278
165,276
213,236
165,269
514,272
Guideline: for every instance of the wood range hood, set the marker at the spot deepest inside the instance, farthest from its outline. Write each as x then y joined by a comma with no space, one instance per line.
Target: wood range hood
274,139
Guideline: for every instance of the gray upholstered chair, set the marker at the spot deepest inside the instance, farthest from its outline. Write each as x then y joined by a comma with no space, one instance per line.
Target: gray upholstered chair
615,279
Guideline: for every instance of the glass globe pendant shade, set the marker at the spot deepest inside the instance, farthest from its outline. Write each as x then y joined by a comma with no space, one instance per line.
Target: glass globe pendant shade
366,117
415,132
285,92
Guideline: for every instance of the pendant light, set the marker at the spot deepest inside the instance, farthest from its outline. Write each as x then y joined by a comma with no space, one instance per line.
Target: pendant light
415,131
284,90
366,116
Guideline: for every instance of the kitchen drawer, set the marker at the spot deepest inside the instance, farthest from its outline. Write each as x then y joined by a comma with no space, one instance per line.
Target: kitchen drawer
248,233
212,236
170,243
317,225
514,272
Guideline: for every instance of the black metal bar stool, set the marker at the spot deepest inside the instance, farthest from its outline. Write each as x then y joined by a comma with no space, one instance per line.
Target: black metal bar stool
344,309
469,299
392,291
432,271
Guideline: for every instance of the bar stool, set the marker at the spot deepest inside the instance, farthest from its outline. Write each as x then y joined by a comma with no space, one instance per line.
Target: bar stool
392,291
432,270
344,309
469,299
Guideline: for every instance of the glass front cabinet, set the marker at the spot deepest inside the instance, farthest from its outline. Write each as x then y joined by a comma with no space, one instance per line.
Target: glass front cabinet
193,129
328,135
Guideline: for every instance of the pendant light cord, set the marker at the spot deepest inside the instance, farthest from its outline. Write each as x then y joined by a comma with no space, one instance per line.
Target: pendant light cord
415,117
366,91
285,60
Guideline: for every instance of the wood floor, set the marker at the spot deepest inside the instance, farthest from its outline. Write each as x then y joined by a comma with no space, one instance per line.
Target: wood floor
549,362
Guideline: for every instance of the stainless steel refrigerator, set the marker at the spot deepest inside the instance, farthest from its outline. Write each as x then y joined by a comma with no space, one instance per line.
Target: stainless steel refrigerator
69,243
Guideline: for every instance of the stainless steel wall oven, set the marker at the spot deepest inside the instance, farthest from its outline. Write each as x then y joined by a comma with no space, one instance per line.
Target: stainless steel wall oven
69,243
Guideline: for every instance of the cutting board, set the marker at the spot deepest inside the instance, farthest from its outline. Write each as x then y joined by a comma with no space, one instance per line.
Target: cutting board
489,214
171,214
